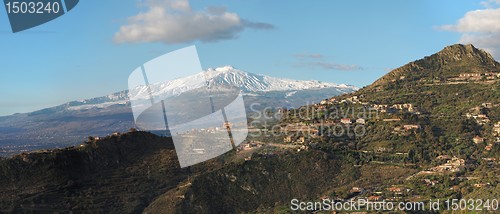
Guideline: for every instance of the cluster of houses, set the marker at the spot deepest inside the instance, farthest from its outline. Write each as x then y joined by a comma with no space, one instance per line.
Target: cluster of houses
481,119
348,121
352,99
490,160
476,113
398,190
480,140
382,108
211,130
477,139
392,193
481,185
408,107
496,129
292,139
406,129
391,120
295,139
302,127
313,129
249,146
452,164
478,76
399,107
297,133
429,182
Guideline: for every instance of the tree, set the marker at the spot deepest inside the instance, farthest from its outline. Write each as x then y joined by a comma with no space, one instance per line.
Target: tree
411,156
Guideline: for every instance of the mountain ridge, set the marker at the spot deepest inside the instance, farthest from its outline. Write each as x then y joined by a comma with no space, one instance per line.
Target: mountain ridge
451,60
248,82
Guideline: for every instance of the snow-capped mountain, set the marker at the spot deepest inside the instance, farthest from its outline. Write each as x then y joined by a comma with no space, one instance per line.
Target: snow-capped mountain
71,123
249,83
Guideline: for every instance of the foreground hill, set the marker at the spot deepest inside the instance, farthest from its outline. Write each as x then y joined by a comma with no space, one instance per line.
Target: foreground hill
99,175
138,171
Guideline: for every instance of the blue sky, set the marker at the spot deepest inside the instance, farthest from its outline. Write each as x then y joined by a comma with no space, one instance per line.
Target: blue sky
91,50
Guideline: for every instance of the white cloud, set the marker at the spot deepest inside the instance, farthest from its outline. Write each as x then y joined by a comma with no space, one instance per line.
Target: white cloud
483,21
174,21
480,27
305,56
319,61
490,3
332,66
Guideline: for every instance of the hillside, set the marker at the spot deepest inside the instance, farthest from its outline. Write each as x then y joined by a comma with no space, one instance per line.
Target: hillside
137,170
439,115
427,130
447,63
99,175
445,87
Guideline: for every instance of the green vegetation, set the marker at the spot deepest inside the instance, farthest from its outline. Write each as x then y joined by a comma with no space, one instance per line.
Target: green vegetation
431,137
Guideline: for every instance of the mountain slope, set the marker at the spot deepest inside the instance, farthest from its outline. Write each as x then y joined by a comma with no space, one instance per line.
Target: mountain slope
449,62
459,77
248,83
435,158
101,175
424,115
130,172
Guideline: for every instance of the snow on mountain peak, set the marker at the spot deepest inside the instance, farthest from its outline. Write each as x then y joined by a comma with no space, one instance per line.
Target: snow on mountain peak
228,75
249,83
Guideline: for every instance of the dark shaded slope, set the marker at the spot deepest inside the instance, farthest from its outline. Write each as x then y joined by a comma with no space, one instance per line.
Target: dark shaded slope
264,182
120,173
